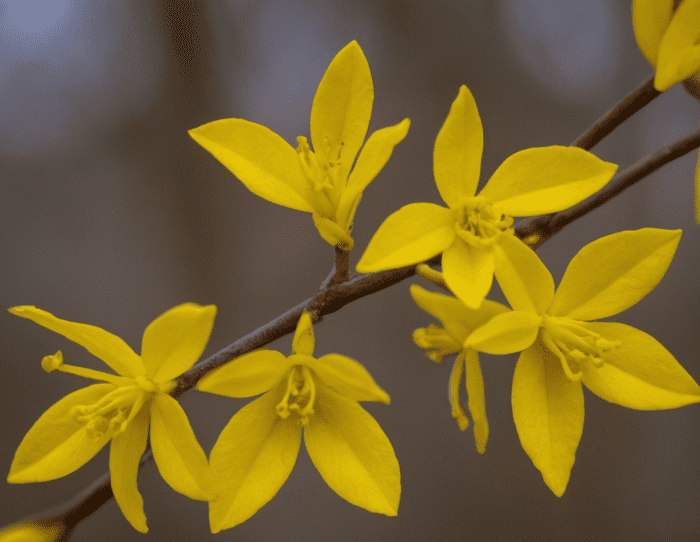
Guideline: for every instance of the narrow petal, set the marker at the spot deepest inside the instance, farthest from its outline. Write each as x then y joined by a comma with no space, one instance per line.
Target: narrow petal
546,180
181,461
343,106
457,319
353,454
264,162
124,457
640,373
548,415
477,399
413,234
458,148
56,444
372,159
506,333
100,343
248,375
526,282
304,341
251,460
613,273
174,341
679,52
348,378
468,272
332,233
650,19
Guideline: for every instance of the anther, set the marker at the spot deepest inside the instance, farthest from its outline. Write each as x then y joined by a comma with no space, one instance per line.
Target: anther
51,363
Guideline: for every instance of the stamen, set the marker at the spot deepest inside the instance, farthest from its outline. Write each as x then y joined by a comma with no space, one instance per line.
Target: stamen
55,362
480,224
436,342
299,375
550,344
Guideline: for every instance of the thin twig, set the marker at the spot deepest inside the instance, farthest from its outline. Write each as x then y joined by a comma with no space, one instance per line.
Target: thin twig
627,107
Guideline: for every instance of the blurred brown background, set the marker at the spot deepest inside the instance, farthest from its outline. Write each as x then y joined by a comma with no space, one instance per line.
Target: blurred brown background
110,214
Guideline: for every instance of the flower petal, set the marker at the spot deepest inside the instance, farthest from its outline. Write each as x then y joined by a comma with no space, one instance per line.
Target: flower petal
124,457
248,375
458,149
613,273
457,319
650,19
174,341
413,234
477,399
526,282
546,180
372,159
640,373
505,333
342,107
264,162
180,459
251,460
348,378
468,272
679,52
548,414
353,454
332,233
100,343
56,444
304,341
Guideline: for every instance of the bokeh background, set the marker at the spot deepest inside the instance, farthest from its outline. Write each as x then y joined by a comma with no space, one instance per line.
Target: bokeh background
110,214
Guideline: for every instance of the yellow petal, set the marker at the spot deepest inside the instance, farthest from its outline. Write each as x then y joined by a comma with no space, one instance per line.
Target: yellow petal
303,341
458,148
251,460
56,444
413,234
332,233
546,180
353,454
124,456
650,19
457,319
477,399
342,107
348,378
174,341
52,531
264,162
548,415
372,159
524,279
180,459
468,272
640,373
100,343
505,333
613,273
248,375
679,52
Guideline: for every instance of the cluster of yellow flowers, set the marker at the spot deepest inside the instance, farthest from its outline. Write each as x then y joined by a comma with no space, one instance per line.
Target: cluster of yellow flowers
561,347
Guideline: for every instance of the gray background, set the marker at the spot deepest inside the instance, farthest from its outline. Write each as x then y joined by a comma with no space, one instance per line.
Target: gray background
110,214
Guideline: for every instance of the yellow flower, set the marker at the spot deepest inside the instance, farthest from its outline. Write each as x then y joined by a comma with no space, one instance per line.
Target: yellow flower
562,348
74,429
669,41
257,449
459,321
318,181
475,234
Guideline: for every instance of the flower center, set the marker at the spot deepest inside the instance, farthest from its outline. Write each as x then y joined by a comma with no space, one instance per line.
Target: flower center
574,345
479,223
321,172
436,342
300,395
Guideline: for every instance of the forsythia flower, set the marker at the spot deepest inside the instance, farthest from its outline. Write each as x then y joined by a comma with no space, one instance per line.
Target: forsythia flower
459,322
474,233
669,41
318,181
256,451
562,348
74,429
